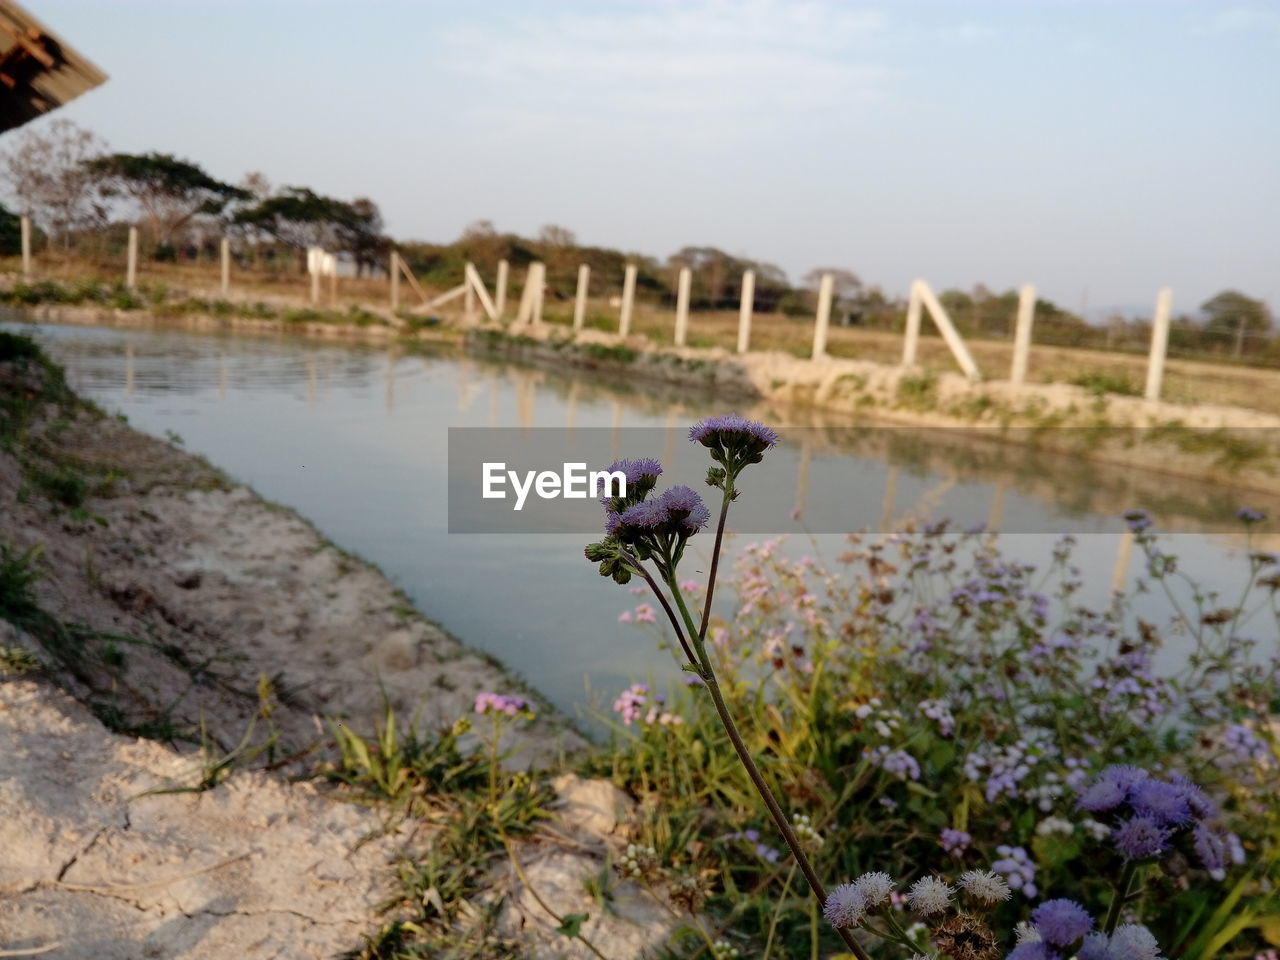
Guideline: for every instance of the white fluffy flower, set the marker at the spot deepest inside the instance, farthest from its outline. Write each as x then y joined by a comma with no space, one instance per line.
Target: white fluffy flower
1133,941
874,887
845,907
928,896
1026,933
985,886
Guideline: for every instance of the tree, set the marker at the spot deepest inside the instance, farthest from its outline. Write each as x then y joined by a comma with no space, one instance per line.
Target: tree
553,235
300,218
845,283
1230,317
359,229
48,178
171,192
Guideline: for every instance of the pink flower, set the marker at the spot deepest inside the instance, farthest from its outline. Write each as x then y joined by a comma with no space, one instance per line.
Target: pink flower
644,614
624,616
690,586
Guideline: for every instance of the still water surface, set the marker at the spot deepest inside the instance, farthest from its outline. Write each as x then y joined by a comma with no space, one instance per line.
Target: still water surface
355,439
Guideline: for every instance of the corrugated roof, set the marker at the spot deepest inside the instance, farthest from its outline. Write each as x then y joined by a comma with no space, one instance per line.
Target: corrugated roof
38,70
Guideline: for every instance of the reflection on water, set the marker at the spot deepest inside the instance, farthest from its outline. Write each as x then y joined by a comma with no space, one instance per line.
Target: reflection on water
354,437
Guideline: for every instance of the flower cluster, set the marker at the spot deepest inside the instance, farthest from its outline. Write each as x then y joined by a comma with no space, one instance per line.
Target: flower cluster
1149,814
501,703
1018,869
638,702
734,442
896,763
765,852
638,861
809,837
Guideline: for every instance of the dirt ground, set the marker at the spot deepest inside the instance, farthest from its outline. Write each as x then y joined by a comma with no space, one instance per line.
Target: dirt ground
213,623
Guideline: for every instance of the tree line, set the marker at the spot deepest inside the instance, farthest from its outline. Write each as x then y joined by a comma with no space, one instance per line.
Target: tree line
83,198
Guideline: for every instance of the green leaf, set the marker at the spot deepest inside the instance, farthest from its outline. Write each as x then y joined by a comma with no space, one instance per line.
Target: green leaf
572,926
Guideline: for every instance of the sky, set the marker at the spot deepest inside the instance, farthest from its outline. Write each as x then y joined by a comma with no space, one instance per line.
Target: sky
1098,150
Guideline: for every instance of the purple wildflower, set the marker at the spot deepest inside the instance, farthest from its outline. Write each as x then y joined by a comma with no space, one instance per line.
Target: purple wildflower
1035,950
1210,848
1133,941
954,841
641,475
1140,837
1061,922
499,703
1250,515
1197,800
686,506
632,702
730,430
648,515
1162,802
1138,520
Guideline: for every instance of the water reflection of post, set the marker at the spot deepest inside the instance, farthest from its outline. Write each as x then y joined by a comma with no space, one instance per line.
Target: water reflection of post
890,495
615,438
1123,552
311,379
524,398
571,409
391,382
128,369
222,377
802,478
669,440
996,517
493,398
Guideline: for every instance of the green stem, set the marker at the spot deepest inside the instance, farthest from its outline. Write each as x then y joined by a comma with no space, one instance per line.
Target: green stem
1122,893
740,747
715,557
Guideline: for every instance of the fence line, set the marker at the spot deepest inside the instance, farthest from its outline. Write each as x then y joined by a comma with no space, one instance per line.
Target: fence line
530,312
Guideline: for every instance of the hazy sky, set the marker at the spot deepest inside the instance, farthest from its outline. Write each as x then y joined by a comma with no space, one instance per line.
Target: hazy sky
1113,147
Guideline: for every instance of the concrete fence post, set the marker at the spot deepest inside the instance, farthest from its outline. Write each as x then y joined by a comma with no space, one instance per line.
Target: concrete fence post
911,342
539,279
949,332
1022,333
26,248
628,300
393,265
745,306
682,305
469,296
226,266
823,319
1159,343
131,269
580,297
500,290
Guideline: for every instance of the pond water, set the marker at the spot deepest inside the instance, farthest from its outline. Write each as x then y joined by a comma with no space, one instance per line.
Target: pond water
356,437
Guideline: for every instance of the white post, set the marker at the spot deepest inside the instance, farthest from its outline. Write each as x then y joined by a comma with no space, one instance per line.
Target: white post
393,264
476,285
824,316
469,297
682,305
539,290
131,271
949,332
1022,333
745,306
1159,343
315,285
226,266
580,297
628,300
26,247
911,345
500,290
